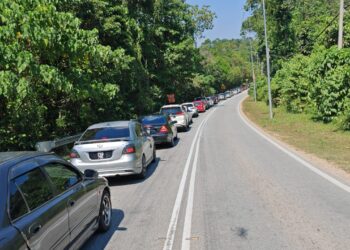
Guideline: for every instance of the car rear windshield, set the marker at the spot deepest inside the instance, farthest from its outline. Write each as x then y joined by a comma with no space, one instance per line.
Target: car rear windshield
197,104
171,111
188,105
150,120
107,133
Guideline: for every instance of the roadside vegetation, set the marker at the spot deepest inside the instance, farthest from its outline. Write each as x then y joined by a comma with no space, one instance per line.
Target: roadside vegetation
326,141
310,75
66,64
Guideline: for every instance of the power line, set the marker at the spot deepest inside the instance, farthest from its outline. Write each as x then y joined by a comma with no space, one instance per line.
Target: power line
329,24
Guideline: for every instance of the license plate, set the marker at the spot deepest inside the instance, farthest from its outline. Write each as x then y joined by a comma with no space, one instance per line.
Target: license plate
100,155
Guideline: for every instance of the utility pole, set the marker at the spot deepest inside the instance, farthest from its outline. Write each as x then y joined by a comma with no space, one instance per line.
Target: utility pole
341,24
253,71
267,62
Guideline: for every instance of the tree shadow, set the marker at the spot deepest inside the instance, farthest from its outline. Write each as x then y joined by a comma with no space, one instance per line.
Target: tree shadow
100,240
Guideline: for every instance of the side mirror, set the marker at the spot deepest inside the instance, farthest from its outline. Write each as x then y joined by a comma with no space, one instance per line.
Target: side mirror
90,174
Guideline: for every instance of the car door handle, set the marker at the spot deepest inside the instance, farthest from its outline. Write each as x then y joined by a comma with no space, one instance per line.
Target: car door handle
35,228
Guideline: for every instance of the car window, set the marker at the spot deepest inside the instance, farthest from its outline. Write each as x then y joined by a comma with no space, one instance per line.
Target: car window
18,206
106,133
171,111
62,177
35,188
150,120
188,105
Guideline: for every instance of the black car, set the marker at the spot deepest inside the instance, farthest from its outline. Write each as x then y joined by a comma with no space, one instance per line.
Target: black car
161,128
46,203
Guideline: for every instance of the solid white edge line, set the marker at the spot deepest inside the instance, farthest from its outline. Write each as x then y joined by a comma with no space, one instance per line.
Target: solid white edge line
169,241
186,235
291,154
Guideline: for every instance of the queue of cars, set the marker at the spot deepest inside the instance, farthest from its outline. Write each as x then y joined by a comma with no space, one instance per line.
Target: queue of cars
51,203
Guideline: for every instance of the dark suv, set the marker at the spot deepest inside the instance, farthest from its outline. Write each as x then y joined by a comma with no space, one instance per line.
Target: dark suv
46,203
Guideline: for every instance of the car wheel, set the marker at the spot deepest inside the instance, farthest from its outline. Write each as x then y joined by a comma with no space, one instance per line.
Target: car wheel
105,215
143,173
172,142
154,156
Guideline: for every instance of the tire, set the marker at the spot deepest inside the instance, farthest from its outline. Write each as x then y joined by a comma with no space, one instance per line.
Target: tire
172,143
105,215
154,155
143,173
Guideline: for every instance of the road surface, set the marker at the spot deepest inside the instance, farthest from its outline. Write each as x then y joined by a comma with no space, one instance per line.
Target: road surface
224,186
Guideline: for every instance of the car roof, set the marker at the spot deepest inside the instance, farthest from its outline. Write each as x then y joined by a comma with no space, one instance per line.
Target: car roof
110,124
171,106
19,155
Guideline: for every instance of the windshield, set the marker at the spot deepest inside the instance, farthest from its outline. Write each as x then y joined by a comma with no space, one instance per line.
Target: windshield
107,133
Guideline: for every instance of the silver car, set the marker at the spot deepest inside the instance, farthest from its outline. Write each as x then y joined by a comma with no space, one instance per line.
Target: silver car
177,113
191,108
114,148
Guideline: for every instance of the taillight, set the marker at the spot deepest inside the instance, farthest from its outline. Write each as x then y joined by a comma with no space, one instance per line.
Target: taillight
179,113
74,155
163,129
129,149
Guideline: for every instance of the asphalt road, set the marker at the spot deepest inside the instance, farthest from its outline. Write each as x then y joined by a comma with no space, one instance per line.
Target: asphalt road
224,186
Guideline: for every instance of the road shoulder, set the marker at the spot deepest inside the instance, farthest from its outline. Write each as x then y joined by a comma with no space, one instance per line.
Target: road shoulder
324,165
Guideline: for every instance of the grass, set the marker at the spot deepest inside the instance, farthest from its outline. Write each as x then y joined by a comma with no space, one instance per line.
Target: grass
325,141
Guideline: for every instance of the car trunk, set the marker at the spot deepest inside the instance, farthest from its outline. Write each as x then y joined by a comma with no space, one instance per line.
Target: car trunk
153,129
101,151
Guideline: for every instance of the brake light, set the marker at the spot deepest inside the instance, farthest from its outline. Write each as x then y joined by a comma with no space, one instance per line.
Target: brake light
74,155
179,113
163,129
129,149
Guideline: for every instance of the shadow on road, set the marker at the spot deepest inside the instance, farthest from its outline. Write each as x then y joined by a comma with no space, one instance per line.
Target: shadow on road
131,180
166,146
100,240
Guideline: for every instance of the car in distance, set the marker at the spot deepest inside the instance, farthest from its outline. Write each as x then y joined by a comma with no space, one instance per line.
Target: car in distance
191,108
222,96
200,106
215,99
210,101
46,203
161,128
204,100
177,113
114,148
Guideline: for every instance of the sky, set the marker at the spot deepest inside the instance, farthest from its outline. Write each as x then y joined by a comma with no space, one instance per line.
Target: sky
229,17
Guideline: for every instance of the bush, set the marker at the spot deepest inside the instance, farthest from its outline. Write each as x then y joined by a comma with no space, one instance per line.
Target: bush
294,84
330,73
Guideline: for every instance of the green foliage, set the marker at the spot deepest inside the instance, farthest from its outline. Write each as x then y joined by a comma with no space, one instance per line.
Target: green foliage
227,61
310,74
293,80
67,64
331,76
